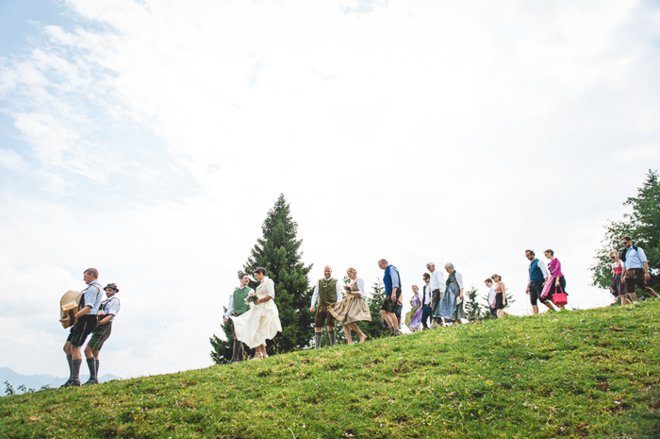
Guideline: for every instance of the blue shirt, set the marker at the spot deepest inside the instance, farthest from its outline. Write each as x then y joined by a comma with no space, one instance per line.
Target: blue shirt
635,258
391,279
92,295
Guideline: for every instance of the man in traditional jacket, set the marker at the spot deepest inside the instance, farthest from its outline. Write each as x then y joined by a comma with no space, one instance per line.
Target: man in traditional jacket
238,305
326,293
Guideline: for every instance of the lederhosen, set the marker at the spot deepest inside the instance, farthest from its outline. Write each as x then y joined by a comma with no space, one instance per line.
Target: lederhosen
102,332
327,298
85,324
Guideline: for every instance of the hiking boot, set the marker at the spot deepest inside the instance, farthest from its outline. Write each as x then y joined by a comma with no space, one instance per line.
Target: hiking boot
90,381
72,383
67,384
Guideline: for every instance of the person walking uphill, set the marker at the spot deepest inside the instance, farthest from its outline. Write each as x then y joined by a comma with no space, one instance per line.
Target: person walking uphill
392,282
637,269
326,292
238,305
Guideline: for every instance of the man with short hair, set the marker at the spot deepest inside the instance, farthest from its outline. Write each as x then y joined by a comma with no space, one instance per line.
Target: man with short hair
326,292
427,298
538,274
392,283
437,285
637,269
84,322
107,312
238,305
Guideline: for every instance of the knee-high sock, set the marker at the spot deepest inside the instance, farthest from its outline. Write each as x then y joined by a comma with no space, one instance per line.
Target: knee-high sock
331,336
75,369
317,340
69,359
97,367
91,364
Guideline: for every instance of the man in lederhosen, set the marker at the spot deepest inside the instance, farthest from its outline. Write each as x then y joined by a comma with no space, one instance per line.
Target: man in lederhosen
237,305
326,292
84,322
106,315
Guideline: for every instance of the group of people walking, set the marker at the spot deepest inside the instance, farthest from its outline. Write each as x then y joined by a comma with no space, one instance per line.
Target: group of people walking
255,317
93,316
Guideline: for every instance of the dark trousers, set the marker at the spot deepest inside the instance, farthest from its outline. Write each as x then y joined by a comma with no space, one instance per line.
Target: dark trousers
237,349
427,311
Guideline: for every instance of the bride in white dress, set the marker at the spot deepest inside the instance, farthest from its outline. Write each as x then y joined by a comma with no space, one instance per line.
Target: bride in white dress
262,321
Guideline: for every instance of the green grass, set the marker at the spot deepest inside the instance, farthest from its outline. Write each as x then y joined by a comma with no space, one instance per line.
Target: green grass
586,373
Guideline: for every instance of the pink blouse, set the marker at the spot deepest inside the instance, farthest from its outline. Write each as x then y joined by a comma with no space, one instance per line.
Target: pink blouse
555,268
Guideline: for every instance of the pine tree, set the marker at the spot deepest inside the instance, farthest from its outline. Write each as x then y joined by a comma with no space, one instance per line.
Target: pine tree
473,309
222,349
278,251
375,328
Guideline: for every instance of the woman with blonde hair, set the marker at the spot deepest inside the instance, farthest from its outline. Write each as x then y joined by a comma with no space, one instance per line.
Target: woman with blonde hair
500,295
352,308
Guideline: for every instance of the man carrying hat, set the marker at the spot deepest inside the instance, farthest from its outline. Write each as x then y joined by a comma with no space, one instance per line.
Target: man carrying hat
107,312
84,323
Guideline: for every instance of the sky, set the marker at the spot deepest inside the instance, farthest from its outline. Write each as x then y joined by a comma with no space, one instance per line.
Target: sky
149,139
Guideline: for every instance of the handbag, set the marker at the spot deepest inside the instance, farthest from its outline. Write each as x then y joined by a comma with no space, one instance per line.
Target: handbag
560,297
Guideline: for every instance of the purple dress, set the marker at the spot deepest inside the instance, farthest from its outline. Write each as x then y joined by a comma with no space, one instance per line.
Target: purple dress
414,316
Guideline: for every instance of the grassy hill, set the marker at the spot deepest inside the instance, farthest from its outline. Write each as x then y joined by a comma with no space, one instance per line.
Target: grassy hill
586,373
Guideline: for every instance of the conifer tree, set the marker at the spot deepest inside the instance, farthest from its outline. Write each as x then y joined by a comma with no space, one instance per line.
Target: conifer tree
642,225
375,328
278,251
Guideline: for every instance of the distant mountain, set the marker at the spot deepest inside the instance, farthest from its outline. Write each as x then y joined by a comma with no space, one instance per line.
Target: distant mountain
37,381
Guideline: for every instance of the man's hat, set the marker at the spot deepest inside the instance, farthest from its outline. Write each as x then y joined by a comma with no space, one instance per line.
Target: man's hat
112,286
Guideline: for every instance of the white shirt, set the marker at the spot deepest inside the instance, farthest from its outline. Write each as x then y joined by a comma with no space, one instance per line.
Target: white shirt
340,288
459,279
491,295
110,305
438,281
267,286
429,294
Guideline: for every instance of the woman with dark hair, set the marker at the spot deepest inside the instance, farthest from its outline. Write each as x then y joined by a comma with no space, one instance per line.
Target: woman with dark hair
262,321
556,282
617,288
500,295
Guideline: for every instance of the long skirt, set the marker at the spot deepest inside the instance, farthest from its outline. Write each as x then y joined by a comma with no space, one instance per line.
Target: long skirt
414,317
258,324
449,307
353,308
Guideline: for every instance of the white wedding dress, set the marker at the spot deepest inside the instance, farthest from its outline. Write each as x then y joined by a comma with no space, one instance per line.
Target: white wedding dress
261,322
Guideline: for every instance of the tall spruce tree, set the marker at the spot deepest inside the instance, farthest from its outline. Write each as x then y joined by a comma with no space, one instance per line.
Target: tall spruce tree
642,225
278,251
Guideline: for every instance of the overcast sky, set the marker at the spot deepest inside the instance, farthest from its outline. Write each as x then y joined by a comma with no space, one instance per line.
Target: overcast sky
150,138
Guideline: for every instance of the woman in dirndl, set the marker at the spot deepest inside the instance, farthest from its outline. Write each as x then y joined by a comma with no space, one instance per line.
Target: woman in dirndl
352,308
617,288
414,316
450,308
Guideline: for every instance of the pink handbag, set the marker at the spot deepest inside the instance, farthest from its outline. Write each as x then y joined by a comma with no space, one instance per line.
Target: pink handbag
560,297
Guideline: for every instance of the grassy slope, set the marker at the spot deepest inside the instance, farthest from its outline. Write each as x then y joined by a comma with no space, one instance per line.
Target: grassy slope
584,373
